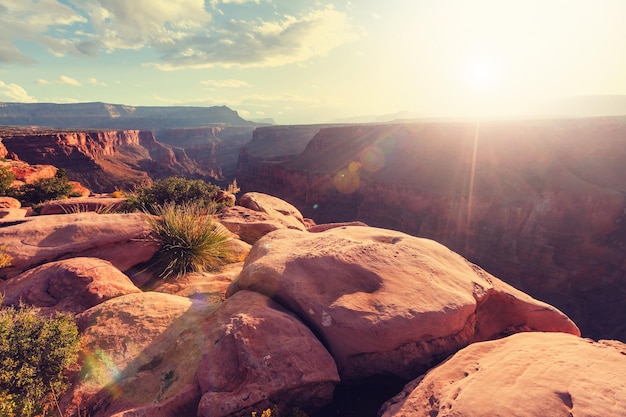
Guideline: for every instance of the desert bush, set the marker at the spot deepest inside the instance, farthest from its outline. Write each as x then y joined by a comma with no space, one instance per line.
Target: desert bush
6,179
5,258
35,350
45,189
175,190
189,238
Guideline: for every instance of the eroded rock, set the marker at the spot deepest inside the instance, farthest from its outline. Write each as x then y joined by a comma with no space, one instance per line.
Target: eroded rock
258,214
524,375
118,238
71,285
155,354
388,303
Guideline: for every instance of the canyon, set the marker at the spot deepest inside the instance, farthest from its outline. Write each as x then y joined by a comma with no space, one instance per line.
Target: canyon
540,203
106,160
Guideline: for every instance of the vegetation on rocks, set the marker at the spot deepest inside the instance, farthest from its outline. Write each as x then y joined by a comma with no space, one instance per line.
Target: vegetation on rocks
35,351
189,237
6,179
44,189
175,190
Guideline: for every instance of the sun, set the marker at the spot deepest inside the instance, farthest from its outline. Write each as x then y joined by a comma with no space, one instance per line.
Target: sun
483,73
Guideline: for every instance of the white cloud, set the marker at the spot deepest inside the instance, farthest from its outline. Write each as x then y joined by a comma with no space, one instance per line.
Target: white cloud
182,33
64,79
14,92
94,81
257,43
225,83
30,20
123,24
41,81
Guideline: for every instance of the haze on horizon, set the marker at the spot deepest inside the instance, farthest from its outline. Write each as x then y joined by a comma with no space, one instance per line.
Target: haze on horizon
299,61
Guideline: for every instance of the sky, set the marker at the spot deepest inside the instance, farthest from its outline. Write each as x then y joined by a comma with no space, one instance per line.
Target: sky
299,61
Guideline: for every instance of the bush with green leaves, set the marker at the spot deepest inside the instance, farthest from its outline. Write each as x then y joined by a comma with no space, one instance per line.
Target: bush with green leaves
175,190
35,351
190,240
45,189
6,179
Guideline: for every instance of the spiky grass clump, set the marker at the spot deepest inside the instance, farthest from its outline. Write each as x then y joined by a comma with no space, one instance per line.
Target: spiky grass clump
189,239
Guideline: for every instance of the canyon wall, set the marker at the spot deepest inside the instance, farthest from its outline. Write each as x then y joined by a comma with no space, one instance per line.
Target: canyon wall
539,203
122,159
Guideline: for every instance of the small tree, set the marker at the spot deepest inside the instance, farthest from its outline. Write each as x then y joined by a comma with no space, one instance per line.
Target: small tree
34,353
6,179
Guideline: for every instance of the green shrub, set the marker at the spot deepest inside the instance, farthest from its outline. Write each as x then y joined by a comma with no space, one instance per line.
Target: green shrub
34,353
174,190
189,239
6,179
45,189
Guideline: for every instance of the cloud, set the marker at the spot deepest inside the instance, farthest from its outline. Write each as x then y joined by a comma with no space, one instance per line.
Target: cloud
181,33
123,24
32,20
14,92
64,79
94,81
225,83
287,40
41,81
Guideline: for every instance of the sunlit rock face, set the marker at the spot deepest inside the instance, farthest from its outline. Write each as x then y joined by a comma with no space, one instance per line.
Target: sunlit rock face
525,375
538,203
387,303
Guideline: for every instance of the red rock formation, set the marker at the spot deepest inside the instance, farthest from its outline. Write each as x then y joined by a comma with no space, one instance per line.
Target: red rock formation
118,238
71,285
524,375
387,303
539,203
155,354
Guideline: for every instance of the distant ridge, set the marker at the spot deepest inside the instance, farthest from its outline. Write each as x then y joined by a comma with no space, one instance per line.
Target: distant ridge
97,115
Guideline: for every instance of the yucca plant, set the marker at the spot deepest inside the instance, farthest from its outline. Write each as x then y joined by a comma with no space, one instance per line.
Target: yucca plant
189,239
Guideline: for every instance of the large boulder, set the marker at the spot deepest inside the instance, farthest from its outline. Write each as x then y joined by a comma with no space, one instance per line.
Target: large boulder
388,303
155,354
71,285
262,355
121,239
259,214
524,375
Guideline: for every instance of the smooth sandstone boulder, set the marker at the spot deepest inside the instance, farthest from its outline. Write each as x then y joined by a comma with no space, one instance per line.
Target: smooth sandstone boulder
262,355
258,214
71,285
121,239
388,303
523,375
155,354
